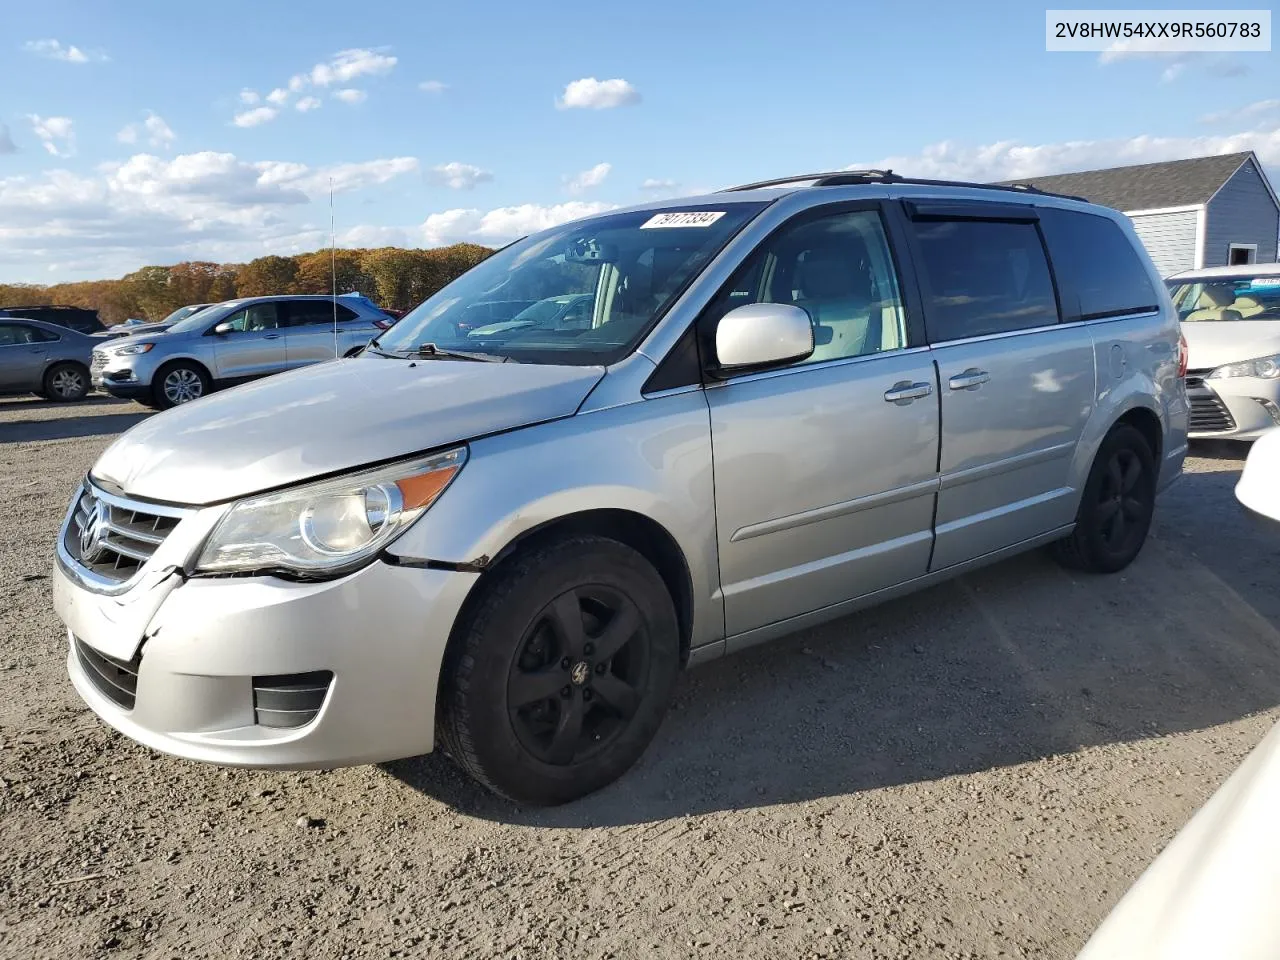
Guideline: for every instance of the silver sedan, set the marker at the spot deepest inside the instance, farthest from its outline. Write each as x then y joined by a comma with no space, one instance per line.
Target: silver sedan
44,359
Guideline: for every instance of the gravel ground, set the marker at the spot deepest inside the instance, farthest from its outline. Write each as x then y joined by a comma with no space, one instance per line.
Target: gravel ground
980,770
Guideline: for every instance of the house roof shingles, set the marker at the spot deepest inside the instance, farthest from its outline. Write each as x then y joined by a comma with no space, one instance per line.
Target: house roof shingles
1146,186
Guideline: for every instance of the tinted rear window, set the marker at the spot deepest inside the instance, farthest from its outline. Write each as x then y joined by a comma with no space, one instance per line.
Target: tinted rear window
1099,272
984,277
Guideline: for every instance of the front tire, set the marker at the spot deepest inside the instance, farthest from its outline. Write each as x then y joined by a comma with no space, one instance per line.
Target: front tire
561,670
66,383
178,383
1116,507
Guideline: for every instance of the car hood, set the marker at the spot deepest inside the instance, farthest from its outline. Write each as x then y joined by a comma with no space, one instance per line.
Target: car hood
1212,343
1213,891
136,335
330,417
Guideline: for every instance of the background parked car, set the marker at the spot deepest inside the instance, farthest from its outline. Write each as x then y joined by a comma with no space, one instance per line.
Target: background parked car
44,359
79,319
231,343
1231,321
134,326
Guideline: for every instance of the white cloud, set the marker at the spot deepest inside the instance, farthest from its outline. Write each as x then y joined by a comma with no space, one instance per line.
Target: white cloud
502,224
1261,108
159,133
592,94
128,133
307,104
255,117
587,179
150,209
657,184
368,235
1011,160
1176,61
6,142
54,50
433,86
460,176
345,65
55,133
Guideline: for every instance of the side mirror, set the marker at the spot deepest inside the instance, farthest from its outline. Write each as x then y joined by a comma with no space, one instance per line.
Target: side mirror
762,335
224,328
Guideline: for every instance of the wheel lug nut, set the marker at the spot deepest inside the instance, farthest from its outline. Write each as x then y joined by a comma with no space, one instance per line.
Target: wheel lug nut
566,692
586,694
588,649
599,668
564,664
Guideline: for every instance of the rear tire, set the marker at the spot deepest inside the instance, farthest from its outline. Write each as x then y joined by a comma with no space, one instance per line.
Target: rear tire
66,382
560,671
1116,507
177,383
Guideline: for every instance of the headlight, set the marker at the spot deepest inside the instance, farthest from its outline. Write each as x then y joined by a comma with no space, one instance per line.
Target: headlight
332,526
1268,368
133,348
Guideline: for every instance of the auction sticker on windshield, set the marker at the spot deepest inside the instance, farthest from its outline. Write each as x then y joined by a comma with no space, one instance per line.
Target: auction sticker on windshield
696,218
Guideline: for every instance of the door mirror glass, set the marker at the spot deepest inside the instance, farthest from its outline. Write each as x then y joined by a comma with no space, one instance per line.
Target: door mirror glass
224,328
761,335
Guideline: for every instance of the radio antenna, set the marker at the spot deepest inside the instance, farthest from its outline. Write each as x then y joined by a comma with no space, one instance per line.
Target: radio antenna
333,269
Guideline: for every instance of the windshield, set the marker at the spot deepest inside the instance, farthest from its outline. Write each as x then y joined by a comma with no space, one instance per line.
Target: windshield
584,293
1219,299
183,312
199,319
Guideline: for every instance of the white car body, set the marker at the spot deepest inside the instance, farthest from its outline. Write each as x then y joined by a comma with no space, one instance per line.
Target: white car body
1214,890
1240,406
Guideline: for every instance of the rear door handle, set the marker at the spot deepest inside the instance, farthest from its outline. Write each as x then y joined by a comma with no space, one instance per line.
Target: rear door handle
904,391
272,336
971,379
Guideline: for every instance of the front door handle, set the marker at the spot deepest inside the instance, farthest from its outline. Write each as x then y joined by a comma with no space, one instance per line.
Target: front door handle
272,336
971,379
904,391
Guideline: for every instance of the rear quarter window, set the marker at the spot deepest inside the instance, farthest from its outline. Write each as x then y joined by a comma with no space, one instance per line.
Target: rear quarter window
1099,272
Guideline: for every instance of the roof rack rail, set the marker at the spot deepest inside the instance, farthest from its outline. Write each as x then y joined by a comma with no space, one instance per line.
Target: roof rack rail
845,178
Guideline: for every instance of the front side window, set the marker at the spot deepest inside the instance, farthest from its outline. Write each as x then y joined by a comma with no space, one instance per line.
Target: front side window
253,319
1217,300
1096,262
983,277
583,293
838,269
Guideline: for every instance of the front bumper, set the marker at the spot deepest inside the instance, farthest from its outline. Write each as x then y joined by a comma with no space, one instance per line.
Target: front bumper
1233,408
198,647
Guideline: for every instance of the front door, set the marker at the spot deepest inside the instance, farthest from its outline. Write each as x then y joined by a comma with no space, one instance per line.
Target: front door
23,356
255,345
826,470
1017,386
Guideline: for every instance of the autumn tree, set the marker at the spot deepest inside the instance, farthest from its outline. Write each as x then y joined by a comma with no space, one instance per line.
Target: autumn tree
266,276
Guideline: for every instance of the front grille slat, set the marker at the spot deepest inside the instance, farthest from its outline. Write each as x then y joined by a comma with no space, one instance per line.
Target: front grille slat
1210,415
117,680
127,534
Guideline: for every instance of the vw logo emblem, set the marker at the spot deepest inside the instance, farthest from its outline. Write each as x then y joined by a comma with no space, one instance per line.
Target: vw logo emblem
581,672
93,534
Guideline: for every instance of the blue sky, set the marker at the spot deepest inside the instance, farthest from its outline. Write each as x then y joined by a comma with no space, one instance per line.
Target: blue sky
123,145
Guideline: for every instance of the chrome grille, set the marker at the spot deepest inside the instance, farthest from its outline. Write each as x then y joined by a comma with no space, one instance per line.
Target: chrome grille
114,538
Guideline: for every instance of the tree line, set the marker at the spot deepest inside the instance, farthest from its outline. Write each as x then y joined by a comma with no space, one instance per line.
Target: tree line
392,277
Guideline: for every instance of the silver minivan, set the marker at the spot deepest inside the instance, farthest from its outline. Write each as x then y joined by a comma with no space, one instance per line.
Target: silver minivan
785,403
231,343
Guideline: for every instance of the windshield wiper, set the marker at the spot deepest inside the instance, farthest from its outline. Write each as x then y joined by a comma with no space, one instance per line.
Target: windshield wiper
431,351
